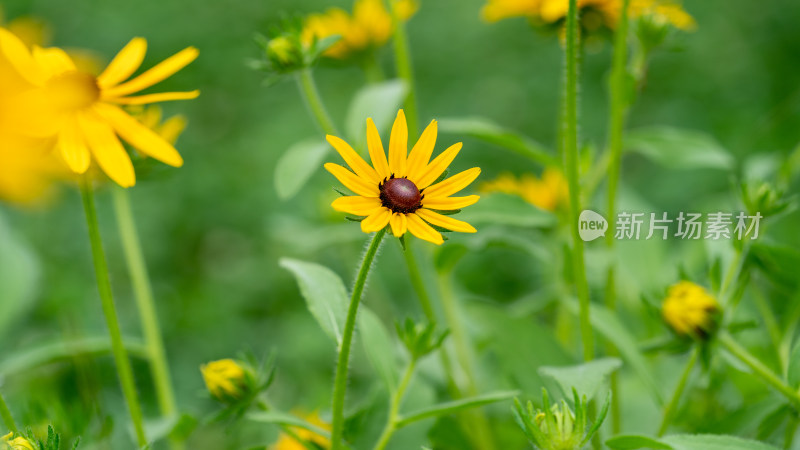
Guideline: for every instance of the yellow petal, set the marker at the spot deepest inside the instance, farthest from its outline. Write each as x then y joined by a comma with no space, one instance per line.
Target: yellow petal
376,221
172,128
20,58
449,203
138,135
399,224
352,181
154,98
421,153
357,205
359,166
398,146
453,184
53,61
161,71
422,230
107,150
376,152
432,171
73,148
445,222
124,64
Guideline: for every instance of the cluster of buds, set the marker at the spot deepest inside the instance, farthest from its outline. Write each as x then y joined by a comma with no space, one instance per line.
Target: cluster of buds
419,339
557,427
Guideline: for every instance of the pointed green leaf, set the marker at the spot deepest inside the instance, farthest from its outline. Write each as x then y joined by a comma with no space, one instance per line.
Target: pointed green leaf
454,406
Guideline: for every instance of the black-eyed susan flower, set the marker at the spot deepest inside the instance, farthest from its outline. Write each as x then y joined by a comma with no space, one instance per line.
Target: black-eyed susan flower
83,112
368,27
287,442
227,380
402,191
18,442
690,310
548,192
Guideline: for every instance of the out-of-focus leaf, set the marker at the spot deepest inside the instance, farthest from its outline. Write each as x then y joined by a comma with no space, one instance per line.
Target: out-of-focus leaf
378,346
713,442
295,167
19,272
454,406
325,294
679,149
586,378
486,130
377,101
504,209
630,442
280,418
793,374
777,262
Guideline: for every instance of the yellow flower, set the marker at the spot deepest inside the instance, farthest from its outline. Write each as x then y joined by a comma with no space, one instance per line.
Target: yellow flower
31,30
151,117
18,443
546,193
226,379
82,111
287,442
369,26
402,191
690,310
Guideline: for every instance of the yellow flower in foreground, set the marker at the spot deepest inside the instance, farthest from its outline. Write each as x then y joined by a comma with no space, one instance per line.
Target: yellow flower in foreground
369,26
83,112
287,442
547,192
225,379
18,443
690,310
401,192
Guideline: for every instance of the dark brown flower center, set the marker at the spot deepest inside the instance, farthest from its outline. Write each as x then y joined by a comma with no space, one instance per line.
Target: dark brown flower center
400,195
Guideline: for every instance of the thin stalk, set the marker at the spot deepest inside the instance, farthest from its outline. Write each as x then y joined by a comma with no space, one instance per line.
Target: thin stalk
8,419
143,293
121,360
617,113
372,69
569,123
308,88
340,381
405,71
771,323
763,372
669,410
394,407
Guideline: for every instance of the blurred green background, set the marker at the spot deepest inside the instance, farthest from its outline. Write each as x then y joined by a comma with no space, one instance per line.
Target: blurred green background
213,231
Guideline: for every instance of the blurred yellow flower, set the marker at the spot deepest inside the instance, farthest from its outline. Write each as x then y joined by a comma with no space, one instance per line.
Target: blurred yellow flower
402,192
18,443
30,30
151,116
287,442
690,310
82,111
225,379
547,192
370,26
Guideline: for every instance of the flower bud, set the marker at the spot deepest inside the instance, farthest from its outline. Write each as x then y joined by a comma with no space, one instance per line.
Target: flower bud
227,380
690,310
18,443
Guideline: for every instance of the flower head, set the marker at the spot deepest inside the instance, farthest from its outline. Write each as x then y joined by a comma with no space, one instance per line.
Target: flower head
547,192
287,442
18,443
227,380
690,310
82,111
402,191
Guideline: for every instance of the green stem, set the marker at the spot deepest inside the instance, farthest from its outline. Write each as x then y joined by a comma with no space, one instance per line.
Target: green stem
405,71
121,360
143,292
771,323
669,410
308,88
394,407
340,381
570,146
5,414
763,372
372,70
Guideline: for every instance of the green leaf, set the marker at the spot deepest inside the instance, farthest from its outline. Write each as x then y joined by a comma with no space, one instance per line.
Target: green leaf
630,442
296,166
378,346
679,149
454,406
586,378
378,101
504,209
713,442
488,131
793,374
325,294
19,275
280,418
